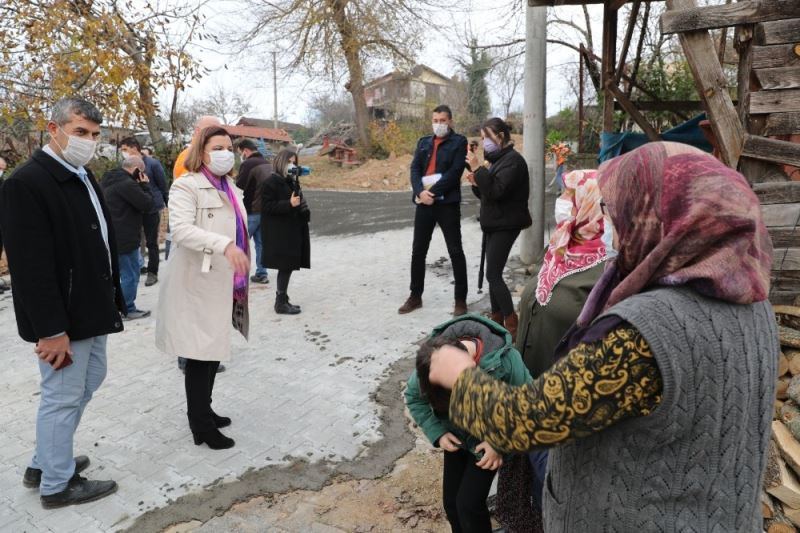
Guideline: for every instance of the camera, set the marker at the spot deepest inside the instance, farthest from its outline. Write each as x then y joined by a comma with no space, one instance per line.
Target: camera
298,171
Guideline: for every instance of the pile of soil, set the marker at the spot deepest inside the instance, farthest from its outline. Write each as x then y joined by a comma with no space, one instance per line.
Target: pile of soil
373,175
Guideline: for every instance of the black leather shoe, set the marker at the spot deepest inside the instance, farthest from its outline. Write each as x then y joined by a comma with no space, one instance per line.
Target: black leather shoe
80,490
221,421
214,439
221,368
33,476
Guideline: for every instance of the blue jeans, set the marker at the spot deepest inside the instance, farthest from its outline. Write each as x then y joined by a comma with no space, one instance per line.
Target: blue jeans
129,277
254,229
539,470
64,395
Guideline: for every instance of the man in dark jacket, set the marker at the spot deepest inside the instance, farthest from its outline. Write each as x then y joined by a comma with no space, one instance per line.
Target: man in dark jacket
251,183
3,166
63,260
127,193
436,181
152,219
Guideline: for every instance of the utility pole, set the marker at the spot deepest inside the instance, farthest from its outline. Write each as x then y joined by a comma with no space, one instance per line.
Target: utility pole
534,128
275,89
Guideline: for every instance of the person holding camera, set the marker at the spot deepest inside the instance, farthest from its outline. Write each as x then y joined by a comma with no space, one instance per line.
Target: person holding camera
127,194
501,183
286,244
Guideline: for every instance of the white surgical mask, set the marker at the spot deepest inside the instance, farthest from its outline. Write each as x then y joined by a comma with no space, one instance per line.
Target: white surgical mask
220,162
1,173
440,130
608,238
289,168
78,151
563,210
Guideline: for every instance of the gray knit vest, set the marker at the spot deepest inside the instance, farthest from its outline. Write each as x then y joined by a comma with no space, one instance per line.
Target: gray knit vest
697,462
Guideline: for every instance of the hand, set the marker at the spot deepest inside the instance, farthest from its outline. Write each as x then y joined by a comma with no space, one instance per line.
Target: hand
471,178
449,443
491,460
426,197
53,351
237,259
447,363
143,178
294,200
473,161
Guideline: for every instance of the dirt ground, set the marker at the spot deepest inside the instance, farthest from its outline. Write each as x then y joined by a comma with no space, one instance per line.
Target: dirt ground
374,175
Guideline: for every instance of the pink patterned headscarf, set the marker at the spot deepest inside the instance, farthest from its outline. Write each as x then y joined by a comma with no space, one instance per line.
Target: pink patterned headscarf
682,218
576,244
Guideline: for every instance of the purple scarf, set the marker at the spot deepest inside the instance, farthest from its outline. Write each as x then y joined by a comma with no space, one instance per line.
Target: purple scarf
242,241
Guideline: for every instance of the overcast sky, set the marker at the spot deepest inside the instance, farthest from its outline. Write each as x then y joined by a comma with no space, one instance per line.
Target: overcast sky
251,76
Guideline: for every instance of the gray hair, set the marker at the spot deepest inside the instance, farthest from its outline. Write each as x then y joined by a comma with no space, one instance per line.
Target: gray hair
132,162
282,161
66,107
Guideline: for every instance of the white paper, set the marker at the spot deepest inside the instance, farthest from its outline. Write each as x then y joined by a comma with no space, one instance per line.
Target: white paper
430,181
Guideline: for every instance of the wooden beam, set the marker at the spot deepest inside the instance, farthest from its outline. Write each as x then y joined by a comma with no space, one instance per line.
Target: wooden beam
623,56
629,108
772,150
777,215
781,55
785,280
782,101
667,105
780,192
779,31
786,259
712,86
782,124
609,59
720,16
779,77
784,236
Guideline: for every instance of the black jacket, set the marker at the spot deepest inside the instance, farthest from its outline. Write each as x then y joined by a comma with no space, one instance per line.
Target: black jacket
59,264
251,199
450,162
285,240
503,190
127,201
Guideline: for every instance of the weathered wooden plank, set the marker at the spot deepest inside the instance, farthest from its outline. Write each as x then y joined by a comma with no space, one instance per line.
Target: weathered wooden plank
629,108
712,87
783,297
781,55
782,124
786,259
780,214
771,150
782,101
778,192
778,31
720,16
783,236
785,280
779,77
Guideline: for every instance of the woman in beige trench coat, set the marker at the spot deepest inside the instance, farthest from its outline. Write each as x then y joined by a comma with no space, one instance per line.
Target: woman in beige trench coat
205,284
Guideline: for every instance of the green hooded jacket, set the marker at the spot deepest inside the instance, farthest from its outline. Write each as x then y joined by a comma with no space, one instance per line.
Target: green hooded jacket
500,359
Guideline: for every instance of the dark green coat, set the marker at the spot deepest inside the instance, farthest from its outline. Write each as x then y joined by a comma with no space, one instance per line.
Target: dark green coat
541,328
500,360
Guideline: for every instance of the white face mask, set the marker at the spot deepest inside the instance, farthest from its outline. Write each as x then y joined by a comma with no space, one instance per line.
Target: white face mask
440,130
220,162
289,168
608,238
563,210
78,151
1,173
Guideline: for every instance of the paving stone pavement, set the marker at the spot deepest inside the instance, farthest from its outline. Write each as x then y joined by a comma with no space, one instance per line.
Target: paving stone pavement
300,389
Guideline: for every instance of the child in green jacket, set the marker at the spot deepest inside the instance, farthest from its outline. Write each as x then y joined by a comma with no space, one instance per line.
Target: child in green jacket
469,464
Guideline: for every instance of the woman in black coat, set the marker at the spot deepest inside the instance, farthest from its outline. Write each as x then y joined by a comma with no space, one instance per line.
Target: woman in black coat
284,227
501,183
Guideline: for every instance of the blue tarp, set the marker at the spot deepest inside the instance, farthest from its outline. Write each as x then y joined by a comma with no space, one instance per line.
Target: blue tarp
614,144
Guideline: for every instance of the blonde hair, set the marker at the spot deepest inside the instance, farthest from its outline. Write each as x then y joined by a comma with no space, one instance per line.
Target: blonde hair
194,159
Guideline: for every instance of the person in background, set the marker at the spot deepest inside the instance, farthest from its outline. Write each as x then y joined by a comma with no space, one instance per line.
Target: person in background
206,121
550,304
251,183
284,226
157,182
129,199
63,260
436,183
560,152
205,285
3,168
502,184
469,463
147,151
670,371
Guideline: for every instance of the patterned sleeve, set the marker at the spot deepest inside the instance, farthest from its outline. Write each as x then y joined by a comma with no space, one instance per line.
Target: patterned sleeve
595,386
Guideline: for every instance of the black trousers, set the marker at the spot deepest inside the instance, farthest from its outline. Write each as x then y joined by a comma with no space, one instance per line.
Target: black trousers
199,383
448,217
283,281
151,223
498,246
465,488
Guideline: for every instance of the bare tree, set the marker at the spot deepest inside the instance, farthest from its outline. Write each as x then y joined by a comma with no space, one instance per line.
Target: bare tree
507,77
222,103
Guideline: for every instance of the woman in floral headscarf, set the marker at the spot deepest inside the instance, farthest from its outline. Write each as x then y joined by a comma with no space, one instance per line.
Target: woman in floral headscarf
659,410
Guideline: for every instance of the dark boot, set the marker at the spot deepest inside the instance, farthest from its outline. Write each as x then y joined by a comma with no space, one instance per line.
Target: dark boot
33,476
282,305
413,303
497,317
460,308
214,439
79,490
297,307
221,421
511,322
